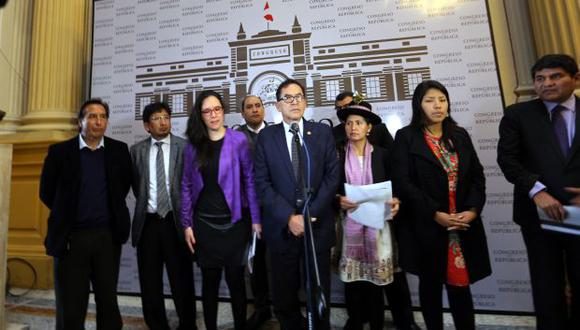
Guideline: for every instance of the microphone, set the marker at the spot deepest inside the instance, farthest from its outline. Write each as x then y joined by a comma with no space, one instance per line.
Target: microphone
295,129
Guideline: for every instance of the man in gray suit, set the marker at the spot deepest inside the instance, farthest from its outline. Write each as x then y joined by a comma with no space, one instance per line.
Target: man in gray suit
157,233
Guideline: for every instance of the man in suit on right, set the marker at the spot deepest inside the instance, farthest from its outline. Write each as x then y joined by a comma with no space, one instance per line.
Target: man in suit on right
379,135
279,185
538,151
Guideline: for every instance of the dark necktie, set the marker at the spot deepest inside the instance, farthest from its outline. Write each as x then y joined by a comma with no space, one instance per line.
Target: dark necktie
162,196
560,129
295,150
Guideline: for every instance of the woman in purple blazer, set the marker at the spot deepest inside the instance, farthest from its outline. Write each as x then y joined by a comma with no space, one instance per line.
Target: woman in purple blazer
219,204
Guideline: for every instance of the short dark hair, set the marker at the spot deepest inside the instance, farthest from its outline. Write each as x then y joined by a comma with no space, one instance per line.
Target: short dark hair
246,97
287,83
343,96
551,61
88,102
155,107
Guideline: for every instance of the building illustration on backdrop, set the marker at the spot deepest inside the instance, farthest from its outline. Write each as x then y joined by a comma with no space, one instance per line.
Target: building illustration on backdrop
385,70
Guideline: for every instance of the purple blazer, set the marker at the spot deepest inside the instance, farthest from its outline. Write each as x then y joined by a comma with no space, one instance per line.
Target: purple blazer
235,177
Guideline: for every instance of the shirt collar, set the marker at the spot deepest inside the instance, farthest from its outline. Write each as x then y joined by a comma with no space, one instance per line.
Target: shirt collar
300,126
256,130
569,104
166,140
83,144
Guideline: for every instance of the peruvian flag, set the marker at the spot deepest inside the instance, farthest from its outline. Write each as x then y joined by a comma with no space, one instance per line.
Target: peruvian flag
268,17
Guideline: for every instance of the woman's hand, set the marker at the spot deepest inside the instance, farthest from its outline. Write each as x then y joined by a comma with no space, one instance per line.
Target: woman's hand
452,221
347,204
257,228
190,239
394,203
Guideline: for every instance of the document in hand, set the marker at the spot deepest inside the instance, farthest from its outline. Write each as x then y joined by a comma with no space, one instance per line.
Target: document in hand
372,210
252,253
570,225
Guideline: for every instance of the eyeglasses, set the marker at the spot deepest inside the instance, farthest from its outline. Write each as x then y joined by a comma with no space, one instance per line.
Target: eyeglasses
159,118
217,110
291,98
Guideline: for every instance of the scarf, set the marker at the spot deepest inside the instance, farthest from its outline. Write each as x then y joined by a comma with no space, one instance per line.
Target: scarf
361,241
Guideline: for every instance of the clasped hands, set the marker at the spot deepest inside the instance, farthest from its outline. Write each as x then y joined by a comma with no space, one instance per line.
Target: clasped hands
455,221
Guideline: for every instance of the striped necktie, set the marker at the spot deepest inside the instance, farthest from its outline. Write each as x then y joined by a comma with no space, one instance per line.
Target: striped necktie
163,206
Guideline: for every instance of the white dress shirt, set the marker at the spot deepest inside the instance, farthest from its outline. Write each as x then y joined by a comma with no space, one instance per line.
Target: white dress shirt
166,147
290,136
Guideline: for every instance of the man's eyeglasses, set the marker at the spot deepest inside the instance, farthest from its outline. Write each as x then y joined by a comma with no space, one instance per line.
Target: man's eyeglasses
159,118
291,98
217,110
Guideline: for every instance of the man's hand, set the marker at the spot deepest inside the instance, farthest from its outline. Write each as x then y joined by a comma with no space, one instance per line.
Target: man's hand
190,239
576,199
550,205
296,224
451,221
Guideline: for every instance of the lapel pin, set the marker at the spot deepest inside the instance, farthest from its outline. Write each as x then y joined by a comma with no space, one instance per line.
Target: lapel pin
308,133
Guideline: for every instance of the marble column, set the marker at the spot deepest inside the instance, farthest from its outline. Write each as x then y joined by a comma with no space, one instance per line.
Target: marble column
523,48
556,24
60,43
15,28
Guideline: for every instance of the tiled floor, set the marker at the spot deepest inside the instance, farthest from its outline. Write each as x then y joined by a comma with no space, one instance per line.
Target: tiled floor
36,310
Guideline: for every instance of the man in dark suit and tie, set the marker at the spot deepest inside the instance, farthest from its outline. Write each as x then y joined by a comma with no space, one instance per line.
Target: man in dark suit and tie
84,183
279,184
253,114
379,135
538,151
157,233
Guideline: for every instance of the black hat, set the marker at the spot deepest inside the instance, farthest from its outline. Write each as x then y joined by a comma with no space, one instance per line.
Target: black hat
363,109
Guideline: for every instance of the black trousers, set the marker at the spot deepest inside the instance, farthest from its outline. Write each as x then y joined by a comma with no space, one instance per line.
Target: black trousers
460,304
92,258
160,245
399,299
286,284
552,257
364,301
259,278
211,278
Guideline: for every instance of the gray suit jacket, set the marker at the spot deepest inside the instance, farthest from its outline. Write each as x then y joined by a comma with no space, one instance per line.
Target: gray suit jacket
140,183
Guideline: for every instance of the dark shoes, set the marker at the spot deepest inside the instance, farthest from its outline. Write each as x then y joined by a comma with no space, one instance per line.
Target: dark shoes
259,317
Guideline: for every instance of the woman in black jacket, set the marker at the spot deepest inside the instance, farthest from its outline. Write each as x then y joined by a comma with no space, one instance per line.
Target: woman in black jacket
438,176
368,262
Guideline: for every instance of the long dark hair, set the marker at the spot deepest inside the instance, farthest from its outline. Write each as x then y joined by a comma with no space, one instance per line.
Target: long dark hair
196,131
419,120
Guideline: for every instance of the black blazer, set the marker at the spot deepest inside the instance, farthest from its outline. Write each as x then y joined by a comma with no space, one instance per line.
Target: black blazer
379,136
421,183
59,189
277,187
528,151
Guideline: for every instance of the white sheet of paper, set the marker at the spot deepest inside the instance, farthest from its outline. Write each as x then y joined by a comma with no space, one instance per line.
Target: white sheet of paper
252,253
372,210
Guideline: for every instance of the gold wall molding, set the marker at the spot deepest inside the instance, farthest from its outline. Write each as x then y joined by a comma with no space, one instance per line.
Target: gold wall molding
28,216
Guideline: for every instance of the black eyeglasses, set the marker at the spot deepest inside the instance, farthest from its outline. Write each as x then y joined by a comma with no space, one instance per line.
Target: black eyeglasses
290,98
